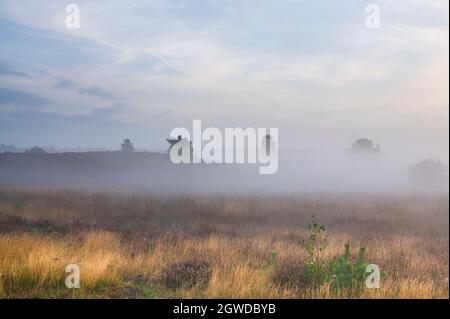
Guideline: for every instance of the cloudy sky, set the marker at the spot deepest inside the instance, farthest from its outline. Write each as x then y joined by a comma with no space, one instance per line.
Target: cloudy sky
139,68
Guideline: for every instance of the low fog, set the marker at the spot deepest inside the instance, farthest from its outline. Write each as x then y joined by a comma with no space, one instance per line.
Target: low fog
298,172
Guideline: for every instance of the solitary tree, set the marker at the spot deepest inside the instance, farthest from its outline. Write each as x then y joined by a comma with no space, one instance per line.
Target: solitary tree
127,146
365,146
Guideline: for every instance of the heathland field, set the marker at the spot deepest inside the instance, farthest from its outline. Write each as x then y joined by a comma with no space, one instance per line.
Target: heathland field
221,246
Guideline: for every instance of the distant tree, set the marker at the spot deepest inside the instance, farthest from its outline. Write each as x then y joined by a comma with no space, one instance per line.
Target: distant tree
173,141
35,150
127,146
428,173
365,146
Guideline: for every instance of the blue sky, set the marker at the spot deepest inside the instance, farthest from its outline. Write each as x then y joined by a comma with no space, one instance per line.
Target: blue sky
138,69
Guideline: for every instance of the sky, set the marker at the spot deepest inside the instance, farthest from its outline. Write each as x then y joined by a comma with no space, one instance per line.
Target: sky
312,69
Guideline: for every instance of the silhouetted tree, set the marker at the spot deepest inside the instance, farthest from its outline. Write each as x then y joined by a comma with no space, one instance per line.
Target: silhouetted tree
428,173
127,146
365,146
172,142
35,150
180,139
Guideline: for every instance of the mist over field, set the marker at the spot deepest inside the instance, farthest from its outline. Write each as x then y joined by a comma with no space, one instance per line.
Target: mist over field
306,171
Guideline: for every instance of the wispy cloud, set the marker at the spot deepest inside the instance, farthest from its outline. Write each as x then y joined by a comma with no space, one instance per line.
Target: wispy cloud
21,99
66,85
97,92
7,70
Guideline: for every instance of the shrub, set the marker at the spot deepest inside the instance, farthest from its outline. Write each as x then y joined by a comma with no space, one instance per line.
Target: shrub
346,273
365,146
429,173
341,273
35,150
315,270
187,273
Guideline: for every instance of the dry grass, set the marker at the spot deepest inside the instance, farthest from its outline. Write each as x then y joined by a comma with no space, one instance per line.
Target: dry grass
137,246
